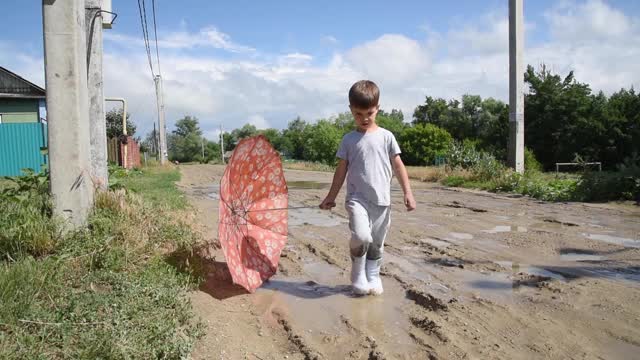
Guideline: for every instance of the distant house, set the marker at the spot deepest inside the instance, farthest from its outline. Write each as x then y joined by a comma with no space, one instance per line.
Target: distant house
21,101
23,130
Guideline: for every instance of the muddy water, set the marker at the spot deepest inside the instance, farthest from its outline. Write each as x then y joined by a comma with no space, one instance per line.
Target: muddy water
323,308
532,280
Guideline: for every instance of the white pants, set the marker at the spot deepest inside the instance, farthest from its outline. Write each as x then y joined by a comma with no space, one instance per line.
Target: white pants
369,225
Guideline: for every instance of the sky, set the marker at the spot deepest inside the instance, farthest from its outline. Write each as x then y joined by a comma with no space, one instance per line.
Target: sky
264,63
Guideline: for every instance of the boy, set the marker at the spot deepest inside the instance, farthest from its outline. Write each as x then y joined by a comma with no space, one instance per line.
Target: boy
366,158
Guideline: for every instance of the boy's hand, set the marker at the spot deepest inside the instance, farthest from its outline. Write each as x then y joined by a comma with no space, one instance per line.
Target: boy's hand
327,204
409,202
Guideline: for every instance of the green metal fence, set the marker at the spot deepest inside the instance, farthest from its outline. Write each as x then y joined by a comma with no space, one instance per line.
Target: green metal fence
22,146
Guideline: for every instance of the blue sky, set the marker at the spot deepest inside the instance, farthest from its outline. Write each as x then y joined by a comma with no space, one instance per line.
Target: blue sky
265,62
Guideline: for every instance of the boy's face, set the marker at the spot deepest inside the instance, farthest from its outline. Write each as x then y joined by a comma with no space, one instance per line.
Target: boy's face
365,118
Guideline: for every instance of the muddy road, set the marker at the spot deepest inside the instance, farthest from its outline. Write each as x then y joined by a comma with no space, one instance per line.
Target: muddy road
468,275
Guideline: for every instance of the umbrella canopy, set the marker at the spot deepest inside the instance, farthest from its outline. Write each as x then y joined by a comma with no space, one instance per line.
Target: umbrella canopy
253,212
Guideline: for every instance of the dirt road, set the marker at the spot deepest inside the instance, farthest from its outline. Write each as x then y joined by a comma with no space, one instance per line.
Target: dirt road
468,275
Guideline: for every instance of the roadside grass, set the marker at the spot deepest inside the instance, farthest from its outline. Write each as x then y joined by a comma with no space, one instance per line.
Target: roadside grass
102,291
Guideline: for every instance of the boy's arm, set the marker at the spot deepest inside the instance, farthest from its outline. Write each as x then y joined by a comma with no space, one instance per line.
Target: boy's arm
403,178
338,180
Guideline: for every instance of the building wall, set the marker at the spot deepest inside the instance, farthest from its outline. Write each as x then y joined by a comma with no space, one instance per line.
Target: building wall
19,110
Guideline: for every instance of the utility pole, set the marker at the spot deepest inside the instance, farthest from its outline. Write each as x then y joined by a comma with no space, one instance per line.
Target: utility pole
221,144
516,86
65,59
161,124
97,121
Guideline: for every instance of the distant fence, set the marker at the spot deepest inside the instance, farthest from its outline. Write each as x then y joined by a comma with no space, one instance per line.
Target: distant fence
116,148
22,146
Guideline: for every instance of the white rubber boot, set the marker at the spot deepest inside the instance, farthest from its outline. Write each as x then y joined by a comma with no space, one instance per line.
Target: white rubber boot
373,276
358,277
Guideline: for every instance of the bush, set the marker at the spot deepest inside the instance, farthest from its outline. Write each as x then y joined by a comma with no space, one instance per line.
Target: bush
530,161
421,143
25,217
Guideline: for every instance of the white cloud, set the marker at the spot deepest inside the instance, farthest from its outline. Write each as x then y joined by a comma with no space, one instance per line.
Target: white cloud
259,122
588,21
206,37
329,40
251,86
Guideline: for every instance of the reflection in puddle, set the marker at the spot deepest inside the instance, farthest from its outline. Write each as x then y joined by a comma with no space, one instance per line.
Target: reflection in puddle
528,269
577,256
460,236
327,312
506,228
307,185
313,216
614,240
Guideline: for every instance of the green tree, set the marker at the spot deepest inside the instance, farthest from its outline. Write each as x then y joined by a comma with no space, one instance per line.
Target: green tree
393,121
275,138
185,142
114,124
321,142
560,120
433,111
293,138
421,143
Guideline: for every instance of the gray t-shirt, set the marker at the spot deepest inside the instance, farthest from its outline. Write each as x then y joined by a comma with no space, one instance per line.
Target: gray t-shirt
369,171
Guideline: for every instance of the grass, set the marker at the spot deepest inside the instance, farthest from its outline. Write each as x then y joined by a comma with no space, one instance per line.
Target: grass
104,291
156,184
307,165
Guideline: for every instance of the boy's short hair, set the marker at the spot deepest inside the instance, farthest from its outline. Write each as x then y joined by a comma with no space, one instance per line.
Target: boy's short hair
364,94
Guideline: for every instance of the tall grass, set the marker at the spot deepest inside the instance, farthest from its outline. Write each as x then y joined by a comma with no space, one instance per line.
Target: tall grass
103,291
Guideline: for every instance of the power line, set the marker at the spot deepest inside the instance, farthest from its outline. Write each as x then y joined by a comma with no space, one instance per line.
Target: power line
145,34
155,33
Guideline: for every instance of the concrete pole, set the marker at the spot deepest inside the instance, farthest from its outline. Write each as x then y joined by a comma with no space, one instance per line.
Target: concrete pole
161,124
97,125
516,86
221,144
65,59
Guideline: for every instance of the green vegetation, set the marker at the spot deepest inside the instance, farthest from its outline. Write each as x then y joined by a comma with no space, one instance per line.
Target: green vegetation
485,172
104,291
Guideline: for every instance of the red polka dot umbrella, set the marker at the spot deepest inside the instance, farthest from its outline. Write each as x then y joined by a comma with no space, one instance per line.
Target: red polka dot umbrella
253,212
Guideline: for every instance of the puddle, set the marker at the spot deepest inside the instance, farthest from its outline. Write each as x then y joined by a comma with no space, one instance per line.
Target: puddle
506,228
580,256
410,268
307,185
460,236
630,274
494,286
528,269
315,217
614,240
321,309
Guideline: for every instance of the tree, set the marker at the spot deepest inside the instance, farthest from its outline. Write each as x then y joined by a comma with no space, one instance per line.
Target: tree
321,142
275,138
114,124
560,121
185,142
236,135
433,111
393,121
421,143
293,138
